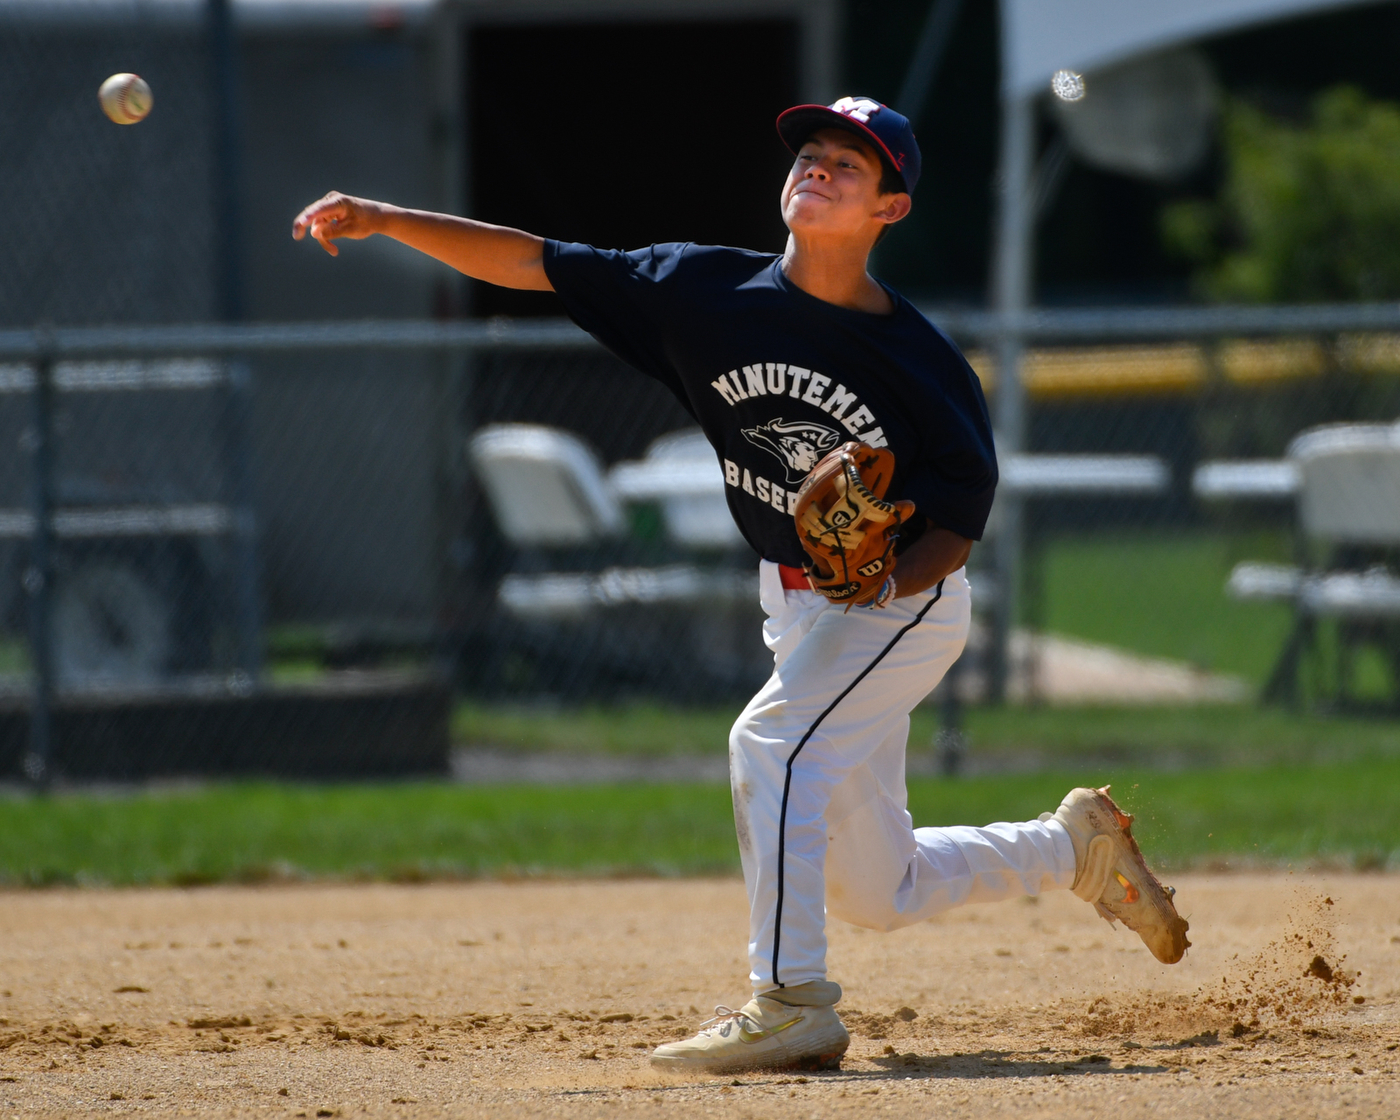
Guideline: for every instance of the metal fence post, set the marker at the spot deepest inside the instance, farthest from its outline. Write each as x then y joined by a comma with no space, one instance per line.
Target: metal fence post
38,575
238,458
228,172
228,163
950,740
1012,288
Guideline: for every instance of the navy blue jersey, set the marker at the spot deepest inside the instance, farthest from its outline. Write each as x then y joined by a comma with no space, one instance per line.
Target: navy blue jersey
777,378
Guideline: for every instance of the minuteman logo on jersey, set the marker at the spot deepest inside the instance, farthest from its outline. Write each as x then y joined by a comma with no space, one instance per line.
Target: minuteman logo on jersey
795,444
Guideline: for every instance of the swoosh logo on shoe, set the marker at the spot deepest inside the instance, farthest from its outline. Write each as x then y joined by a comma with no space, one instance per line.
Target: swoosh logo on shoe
768,1032
1130,892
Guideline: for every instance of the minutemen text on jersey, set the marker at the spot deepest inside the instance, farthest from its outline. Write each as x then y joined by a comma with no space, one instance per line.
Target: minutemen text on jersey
776,378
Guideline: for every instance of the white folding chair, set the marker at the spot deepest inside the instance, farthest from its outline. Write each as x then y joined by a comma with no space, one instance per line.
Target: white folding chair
696,520
547,489
546,486
681,472
1350,483
1348,515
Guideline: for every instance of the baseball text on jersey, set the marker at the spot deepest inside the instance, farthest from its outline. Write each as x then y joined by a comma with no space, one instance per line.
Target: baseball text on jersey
779,497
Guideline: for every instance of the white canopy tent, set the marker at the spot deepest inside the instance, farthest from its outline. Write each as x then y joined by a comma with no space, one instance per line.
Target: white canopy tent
1040,37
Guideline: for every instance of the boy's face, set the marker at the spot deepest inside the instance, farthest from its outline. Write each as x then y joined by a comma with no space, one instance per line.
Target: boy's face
834,188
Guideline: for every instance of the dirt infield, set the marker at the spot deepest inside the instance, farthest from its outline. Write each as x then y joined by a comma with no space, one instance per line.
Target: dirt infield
543,998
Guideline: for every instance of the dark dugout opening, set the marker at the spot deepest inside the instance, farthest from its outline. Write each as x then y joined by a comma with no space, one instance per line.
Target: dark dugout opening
624,134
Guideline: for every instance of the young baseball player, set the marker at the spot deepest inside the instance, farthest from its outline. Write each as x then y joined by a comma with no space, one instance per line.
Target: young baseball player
781,360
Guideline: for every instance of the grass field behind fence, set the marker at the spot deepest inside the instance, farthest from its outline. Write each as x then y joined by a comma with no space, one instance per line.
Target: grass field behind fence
999,738
1337,813
1212,785
1163,594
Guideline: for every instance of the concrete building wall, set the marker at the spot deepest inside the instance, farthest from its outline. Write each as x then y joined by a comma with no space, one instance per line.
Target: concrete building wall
347,444
355,455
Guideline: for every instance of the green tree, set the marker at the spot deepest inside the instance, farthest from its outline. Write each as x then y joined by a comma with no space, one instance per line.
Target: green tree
1308,211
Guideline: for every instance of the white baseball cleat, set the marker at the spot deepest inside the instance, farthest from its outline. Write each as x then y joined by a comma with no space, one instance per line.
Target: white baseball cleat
1111,873
763,1034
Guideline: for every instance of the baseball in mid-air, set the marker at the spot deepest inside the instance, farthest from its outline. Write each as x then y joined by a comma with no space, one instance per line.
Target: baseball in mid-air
1067,85
126,98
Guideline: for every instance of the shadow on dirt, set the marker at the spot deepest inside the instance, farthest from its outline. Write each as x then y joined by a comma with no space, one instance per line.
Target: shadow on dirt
1000,1063
978,1066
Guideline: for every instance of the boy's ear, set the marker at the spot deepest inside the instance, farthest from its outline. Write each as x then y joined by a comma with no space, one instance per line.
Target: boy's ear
897,209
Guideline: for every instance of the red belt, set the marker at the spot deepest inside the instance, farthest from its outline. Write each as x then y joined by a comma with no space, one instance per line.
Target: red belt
794,579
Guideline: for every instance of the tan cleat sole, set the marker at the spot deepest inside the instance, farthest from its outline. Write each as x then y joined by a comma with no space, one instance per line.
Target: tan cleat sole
1114,877
807,1063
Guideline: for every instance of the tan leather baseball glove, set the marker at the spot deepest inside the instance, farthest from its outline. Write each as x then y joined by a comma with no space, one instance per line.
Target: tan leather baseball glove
847,527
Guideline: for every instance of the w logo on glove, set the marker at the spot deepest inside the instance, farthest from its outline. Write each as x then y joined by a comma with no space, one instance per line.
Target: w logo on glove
846,526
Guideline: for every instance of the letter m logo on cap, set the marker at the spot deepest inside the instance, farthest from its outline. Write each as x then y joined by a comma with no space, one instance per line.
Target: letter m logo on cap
857,108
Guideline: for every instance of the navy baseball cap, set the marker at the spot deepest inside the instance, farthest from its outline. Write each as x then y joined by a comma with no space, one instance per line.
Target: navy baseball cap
878,124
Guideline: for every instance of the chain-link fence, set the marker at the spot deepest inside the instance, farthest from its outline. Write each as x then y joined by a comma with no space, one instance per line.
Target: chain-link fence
287,548
290,549
1168,470
282,549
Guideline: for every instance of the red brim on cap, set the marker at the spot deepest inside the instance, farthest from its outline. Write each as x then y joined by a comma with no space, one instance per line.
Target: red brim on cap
795,125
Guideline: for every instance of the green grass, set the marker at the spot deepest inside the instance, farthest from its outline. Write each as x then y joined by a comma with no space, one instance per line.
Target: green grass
635,729
1164,595
1207,735
1150,737
1277,815
402,831
254,832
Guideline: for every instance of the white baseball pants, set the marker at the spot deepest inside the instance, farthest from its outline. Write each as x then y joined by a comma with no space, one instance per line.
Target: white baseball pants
816,766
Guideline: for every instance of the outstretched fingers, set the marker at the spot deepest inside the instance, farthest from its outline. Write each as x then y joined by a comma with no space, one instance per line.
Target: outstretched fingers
325,231
325,220
321,208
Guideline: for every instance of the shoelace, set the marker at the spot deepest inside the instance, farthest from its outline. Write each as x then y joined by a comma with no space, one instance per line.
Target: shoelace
723,1014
